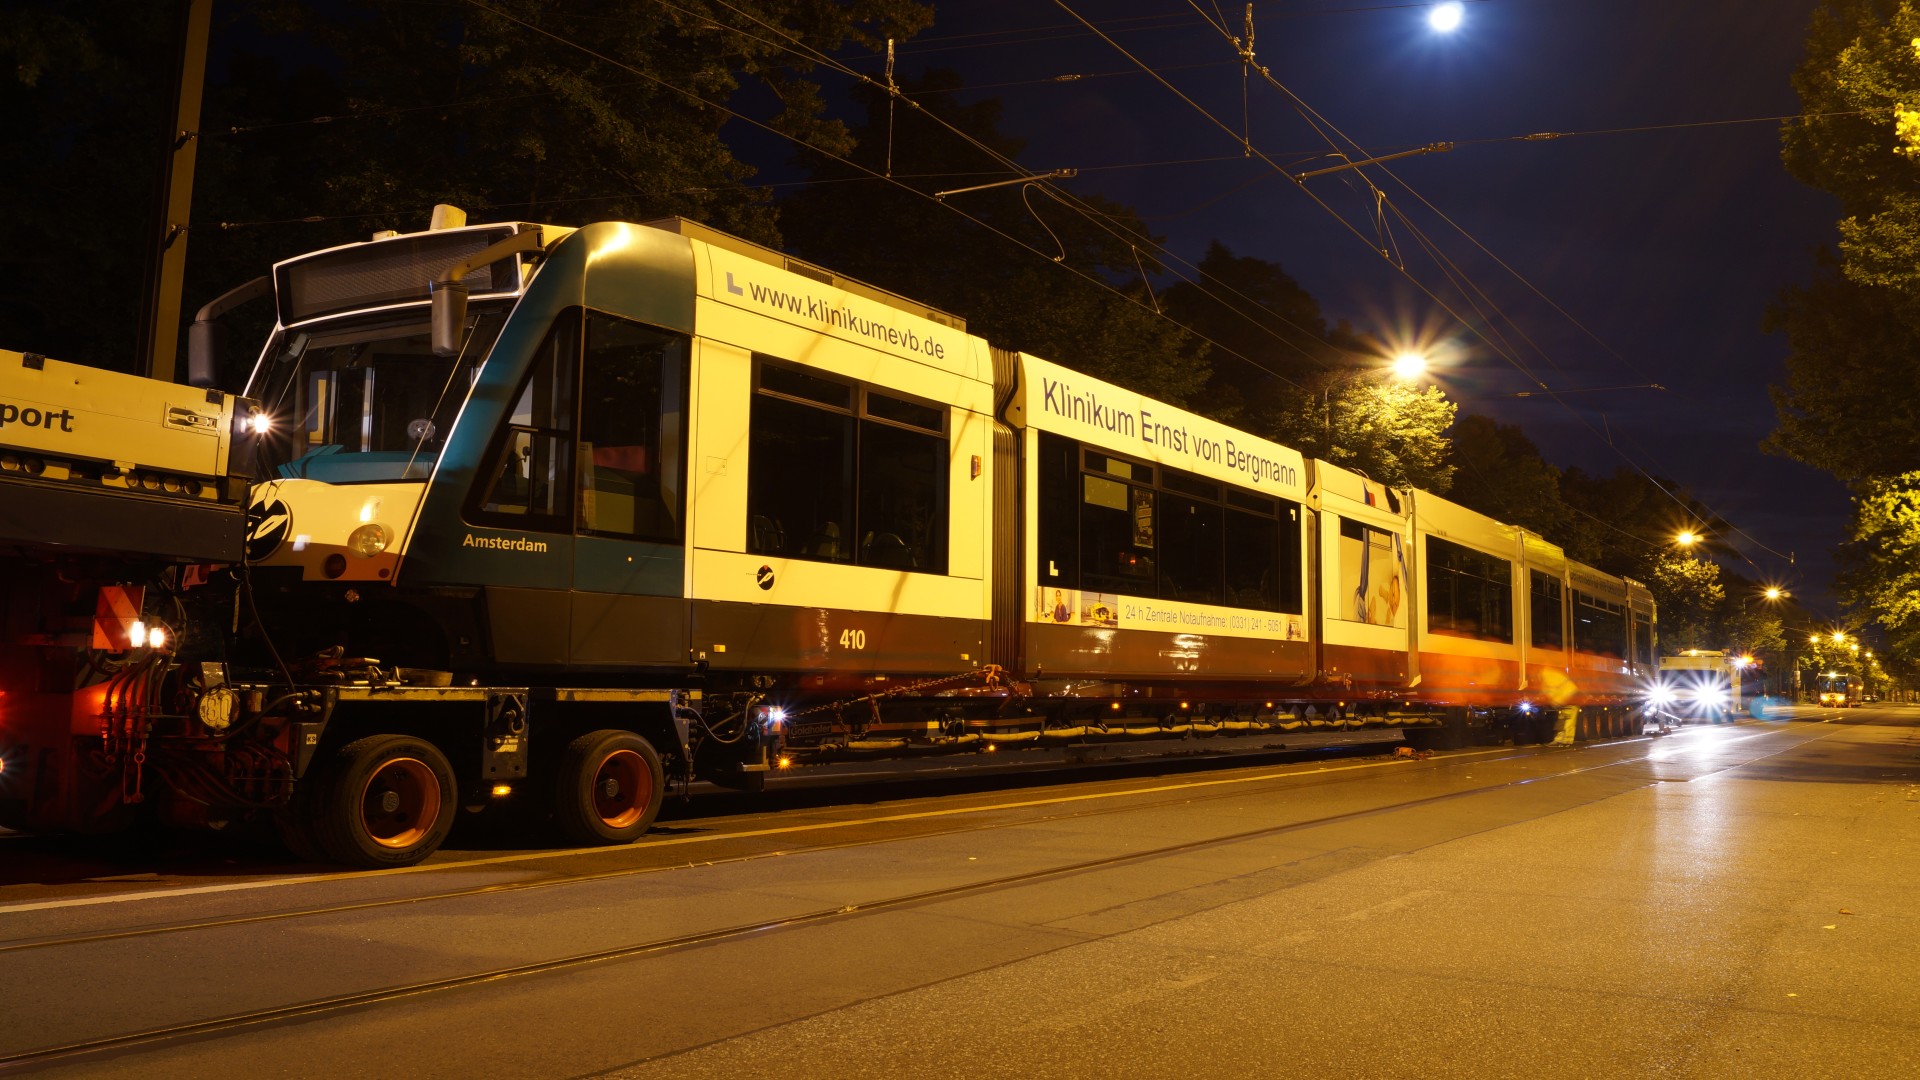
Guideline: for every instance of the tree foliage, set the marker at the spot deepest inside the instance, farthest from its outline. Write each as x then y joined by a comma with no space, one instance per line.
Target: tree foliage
421,103
1851,404
1688,594
1393,433
1271,338
1859,87
1499,472
1881,569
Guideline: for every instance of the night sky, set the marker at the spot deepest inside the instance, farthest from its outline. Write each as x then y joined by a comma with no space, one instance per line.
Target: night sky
1666,245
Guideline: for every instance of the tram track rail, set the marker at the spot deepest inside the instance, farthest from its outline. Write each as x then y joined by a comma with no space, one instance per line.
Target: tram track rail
1175,793
1178,792
170,1033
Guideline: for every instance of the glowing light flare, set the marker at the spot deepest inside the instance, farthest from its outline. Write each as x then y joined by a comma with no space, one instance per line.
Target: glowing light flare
1446,18
1775,592
259,423
1686,538
1409,365
502,790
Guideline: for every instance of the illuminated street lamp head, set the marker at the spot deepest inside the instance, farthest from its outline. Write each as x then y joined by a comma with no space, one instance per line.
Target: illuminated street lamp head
1446,18
1409,366
1839,636
1775,592
1686,538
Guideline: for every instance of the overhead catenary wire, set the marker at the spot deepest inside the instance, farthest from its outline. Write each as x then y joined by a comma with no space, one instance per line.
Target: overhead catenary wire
1134,239
1068,200
1084,275
1328,131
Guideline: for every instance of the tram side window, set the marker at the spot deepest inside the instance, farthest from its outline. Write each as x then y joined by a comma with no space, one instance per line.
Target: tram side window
902,522
1258,574
1117,542
1059,510
843,473
530,467
1547,612
632,430
1643,641
1599,626
1192,537
1469,592
1110,525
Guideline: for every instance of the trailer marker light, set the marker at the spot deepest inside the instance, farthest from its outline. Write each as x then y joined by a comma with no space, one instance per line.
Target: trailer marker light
156,638
137,633
369,540
786,762
502,789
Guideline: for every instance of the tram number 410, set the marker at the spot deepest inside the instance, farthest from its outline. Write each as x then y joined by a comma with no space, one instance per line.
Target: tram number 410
853,639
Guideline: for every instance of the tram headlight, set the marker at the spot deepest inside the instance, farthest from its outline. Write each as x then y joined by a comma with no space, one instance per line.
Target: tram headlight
369,540
1659,696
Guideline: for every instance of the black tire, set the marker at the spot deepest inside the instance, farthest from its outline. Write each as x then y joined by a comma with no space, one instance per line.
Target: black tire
294,826
608,788
385,800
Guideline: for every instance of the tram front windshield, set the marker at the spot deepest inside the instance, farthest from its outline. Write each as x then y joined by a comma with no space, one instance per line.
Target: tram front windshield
365,399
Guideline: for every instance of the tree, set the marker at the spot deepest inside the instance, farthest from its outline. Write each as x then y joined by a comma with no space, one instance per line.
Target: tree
1688,594
1880,579
1272,337
1853,377
1499,472
1392,433
425,103
83,90
1851,403
1859,87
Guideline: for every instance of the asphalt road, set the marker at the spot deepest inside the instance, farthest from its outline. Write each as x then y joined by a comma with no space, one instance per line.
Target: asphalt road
1732,900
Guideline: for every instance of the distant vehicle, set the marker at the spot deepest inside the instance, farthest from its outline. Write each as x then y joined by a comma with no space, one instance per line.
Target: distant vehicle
1838,691
1697,685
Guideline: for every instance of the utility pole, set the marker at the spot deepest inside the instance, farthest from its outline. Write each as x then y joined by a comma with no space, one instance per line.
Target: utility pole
167,261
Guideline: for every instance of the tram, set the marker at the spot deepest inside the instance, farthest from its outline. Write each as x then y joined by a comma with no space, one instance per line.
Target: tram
564,515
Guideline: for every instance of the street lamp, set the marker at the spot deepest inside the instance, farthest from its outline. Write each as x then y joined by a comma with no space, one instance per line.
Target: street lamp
1446,18
1409,366
1686,538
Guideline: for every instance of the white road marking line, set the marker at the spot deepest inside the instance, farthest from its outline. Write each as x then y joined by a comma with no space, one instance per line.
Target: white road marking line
361,875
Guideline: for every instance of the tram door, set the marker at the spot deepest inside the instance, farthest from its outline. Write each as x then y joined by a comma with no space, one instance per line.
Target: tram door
630,464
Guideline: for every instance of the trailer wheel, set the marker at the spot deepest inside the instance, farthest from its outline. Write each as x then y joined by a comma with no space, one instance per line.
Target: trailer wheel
608,789
385,800
294,826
